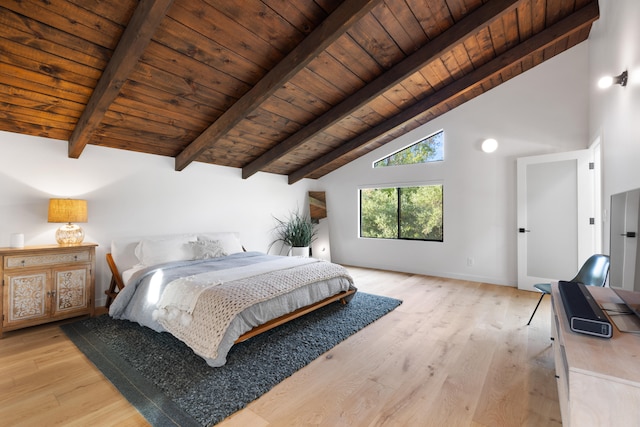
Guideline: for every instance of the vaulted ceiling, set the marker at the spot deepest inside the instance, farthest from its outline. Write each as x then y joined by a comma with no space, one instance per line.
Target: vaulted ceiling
297,88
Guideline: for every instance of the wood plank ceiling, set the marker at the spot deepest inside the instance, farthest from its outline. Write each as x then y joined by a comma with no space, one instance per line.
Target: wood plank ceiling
297,88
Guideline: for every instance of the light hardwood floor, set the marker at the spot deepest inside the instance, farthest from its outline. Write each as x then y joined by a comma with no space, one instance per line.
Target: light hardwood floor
455,353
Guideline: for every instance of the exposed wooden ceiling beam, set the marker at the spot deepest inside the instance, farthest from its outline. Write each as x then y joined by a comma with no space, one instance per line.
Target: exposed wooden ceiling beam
471,24
132,44
339,22
573,23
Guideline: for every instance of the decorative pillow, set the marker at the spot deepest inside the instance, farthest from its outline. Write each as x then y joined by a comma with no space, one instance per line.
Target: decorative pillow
205,249
152,252
228,240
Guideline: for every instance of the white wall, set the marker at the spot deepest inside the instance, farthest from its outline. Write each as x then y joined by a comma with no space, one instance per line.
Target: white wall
541,111
132,194
615,112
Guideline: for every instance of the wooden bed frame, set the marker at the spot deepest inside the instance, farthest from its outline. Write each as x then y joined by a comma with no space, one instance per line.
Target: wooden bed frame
117,285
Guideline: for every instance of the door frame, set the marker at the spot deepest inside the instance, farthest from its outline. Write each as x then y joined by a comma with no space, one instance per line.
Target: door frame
585,209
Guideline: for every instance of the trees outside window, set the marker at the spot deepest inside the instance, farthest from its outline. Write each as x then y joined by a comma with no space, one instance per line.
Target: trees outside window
411,213
429,149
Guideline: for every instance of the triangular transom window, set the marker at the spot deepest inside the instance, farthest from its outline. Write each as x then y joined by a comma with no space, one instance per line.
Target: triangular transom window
429,149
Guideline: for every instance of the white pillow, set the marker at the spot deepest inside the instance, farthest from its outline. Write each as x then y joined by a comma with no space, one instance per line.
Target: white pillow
124,253
153,252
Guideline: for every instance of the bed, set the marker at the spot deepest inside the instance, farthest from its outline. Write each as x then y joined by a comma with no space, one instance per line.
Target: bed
210,293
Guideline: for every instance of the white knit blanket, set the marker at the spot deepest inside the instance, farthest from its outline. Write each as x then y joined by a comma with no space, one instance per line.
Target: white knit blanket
216,306
179,299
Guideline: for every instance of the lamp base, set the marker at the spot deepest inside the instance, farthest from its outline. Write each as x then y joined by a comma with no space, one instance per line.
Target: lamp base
69,235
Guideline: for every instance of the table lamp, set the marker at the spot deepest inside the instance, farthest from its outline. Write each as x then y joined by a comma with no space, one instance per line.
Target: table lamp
68,211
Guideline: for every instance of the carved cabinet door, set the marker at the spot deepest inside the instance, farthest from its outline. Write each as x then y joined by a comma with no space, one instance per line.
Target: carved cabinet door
26,297
70,290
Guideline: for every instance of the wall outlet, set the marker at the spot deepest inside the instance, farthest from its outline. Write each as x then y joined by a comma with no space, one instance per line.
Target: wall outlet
469,262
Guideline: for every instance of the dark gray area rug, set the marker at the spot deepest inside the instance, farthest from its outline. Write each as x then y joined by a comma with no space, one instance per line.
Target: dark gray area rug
171,386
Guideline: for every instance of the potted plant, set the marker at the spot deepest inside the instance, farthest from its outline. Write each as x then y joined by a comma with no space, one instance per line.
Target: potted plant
296,231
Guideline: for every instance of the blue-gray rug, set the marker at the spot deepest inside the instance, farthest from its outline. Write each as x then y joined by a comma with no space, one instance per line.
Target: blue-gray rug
171,386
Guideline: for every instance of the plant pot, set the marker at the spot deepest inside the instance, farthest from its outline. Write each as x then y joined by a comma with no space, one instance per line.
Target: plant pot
300,251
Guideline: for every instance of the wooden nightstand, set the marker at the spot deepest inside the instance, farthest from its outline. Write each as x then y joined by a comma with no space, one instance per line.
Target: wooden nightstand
43,284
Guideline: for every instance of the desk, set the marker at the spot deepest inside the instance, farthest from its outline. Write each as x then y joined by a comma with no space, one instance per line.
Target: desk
598,378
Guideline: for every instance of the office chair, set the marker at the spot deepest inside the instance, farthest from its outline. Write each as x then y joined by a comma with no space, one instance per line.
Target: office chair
593,273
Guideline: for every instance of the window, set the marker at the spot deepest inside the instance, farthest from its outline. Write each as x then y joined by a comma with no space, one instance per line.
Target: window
411,213
429,149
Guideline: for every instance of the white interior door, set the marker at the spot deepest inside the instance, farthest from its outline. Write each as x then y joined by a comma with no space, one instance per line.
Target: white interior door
555,216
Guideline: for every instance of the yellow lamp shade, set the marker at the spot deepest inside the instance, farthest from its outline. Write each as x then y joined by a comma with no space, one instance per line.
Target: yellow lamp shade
67,210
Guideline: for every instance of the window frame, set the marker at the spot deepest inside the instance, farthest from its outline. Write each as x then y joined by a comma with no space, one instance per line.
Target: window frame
397,187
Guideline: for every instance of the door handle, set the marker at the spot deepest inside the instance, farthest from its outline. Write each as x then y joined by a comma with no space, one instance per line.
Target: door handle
523,230
629,234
